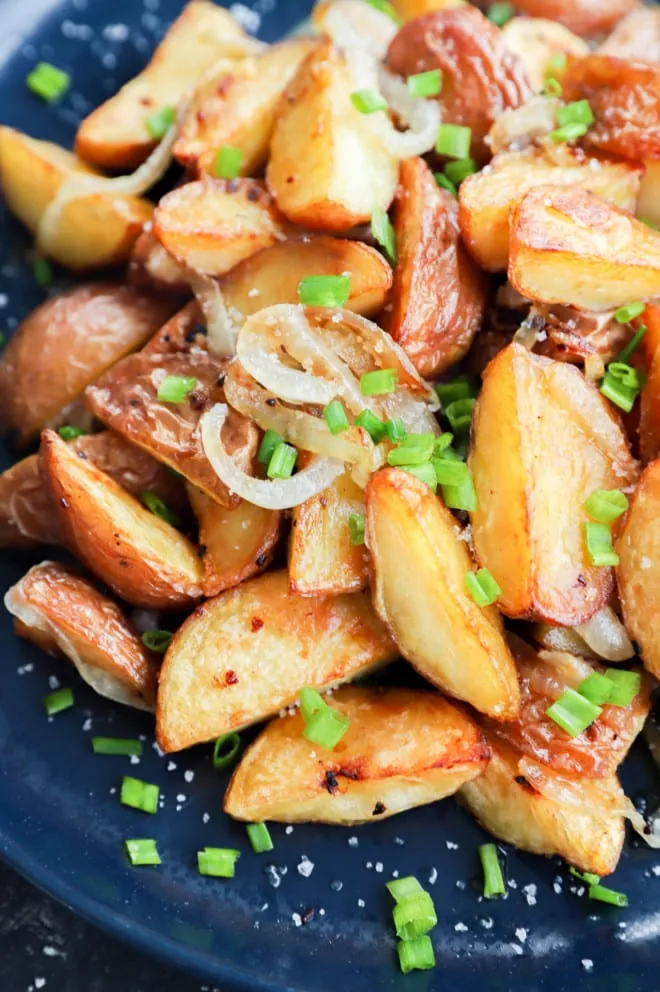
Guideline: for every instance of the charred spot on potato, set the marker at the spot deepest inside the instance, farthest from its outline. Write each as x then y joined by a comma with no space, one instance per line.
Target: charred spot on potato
231,678
256,624
330,782
379,809
261,560
202,550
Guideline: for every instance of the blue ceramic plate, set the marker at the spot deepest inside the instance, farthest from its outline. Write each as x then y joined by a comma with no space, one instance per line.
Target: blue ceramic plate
61,823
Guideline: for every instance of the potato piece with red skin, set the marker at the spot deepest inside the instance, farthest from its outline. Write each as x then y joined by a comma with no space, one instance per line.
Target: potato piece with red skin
583,17
636,37
152,267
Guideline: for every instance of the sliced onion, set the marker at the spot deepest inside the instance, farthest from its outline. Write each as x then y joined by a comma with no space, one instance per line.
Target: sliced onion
526,335
606,636
221,329
276,494
561,639
518,128
355,24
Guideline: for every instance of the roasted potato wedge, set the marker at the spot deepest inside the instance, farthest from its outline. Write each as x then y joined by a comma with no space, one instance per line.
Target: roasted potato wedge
439,295
577,336
115,135
636,37
237,108
65,344
419,568
93,231
543,440
583,17
403,748
143,559
567,246
535,40
481,77
588,835
152,267
234,544
247,653
327,170
126,400
64,614
487,198
184,332
322,560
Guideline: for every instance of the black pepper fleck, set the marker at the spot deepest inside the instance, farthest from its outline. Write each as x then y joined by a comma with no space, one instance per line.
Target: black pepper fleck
378,809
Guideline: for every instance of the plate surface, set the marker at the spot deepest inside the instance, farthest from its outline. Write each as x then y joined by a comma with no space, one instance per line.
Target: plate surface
60,820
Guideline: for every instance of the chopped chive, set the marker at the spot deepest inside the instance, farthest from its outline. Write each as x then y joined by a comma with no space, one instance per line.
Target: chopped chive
450,473
482,587
443,444
599,545
356,528
578,112
335,417
175,388
459,414
500,13
142,852
460,169
573,712
621,385
632,346
259,837
415,453
69,433
383,232
324,291
378,383
269,442
282,462
385,7
625,314
493,878
55,702
445,183
217,862
228,162
48,82
569,132
159,508
461,497
585,876
414,916
139,795
403,888
368,101
606,505
42,272
311,702
159,123
460,388
425,84
454,141
596,688
649,223
157,640
552,87
556,62
374,427
424,472
122,746
225,750
626,686
395,430
324,725
601,893
416,955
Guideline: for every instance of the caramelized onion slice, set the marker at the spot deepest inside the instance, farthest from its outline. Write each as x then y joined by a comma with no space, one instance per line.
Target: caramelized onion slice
606,636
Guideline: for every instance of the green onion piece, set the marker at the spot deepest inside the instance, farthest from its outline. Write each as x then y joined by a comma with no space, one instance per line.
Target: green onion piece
259,837
493,878
225,750
626,686
454,141
378,383
649,223
374,427
450,473
383,232
175,388
311,702
385,8
412,453
142,852
625,314
459,414
368,101
569,132
116,745
159,508
632,345
324,291
335,417
578,112
460,388
419,440
69,433
573,713
217,862
556,63
395,430
447,184
356,528
425,83
585,876
159,123
228,162
461,497
42,272
139,795
500,13
55,702
596,688
416,955
482,587
282,462
48,82
606,505
602,894
269,442
326,727
626,374
403,888
424,472
599,545
443,444
552,87
157,640
414,916
459,170
621,387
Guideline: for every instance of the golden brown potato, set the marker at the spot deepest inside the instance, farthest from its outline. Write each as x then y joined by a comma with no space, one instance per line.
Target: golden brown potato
567,246
419,568
152,267
247,653
589,836
577,336
649,413
126,400
272,275
439,296
184,332
403,748
64,614
236,108
93,231
65,344
327,169
535,40
584,17
407,9
481,77
115,135
487,198
234,544
636,37
322,560
543,440
143,559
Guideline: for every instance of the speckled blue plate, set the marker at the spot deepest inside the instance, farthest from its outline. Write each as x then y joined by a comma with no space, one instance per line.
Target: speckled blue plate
61,823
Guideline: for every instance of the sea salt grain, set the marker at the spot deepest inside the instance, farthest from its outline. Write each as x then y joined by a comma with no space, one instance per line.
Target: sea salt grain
433,877
521,934
353,842
399,840
587,964
205,817
460,928
451,846
171,766
297,919
530,894
189,775
361,903
288,830
306,867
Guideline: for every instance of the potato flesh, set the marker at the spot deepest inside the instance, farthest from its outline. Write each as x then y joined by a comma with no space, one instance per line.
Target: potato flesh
153,267
636,37
403,748
543,440
419,566
247,653
535,40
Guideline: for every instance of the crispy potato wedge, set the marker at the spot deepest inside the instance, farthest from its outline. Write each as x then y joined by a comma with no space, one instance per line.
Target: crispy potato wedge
234,544
115,135
487,198
213,224
126,400
535,40
403,748
272,275
93,231
543,440
64,614
481,76
237,108
327,169
322,560
419,567
65,344
583,17
589,836
247,653
152,267
439,295
143,559
636,37
567,246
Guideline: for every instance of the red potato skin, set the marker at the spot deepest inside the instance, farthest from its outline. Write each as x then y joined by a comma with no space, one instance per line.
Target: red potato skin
583,17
